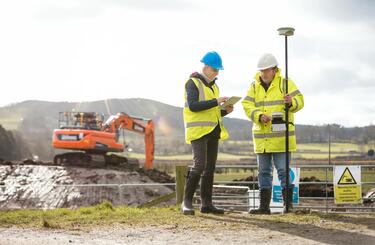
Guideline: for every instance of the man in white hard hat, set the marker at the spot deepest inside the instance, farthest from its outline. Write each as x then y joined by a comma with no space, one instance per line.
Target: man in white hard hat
264,105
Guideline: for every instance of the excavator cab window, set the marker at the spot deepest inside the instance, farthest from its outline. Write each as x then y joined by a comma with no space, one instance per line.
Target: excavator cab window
80,120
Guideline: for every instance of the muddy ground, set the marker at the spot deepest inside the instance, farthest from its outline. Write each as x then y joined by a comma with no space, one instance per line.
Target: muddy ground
50,186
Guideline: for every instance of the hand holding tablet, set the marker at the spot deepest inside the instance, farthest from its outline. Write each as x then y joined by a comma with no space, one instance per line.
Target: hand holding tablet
231,101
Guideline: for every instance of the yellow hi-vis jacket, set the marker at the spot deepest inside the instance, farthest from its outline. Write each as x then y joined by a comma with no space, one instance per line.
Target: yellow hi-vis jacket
201,123
258,102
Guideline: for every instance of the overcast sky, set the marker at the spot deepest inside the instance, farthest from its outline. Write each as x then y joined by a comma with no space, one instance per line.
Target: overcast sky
99,49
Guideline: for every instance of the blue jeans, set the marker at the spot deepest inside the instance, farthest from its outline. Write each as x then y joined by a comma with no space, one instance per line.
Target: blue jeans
265,168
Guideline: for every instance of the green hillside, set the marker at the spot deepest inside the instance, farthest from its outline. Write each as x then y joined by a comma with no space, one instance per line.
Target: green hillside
35,120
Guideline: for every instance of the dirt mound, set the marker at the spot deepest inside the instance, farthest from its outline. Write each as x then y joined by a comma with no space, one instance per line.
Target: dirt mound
43,185
315,190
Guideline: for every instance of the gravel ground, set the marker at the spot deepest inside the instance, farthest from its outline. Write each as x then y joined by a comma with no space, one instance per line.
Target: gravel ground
231,229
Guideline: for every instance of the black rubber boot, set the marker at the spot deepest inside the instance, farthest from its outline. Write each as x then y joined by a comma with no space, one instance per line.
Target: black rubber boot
290,200
264,206
192,181
206,195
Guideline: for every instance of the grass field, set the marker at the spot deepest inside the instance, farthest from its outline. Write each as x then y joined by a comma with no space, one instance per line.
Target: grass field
368,175
221,156
102,214
11,120
335,147
307,151
10,123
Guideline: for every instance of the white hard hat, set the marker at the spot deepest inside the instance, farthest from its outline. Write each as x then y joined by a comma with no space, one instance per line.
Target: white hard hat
267,61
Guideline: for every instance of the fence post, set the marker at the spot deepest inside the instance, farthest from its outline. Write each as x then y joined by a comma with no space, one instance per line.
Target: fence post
180,182
326,201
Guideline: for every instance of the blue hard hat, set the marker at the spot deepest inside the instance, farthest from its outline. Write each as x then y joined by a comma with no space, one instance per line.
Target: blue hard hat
213,59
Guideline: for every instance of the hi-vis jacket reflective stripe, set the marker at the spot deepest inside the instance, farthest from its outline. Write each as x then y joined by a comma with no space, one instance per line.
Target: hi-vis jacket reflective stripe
198,124
258,102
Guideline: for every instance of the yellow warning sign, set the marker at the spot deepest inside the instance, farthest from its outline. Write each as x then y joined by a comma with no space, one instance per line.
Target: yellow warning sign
347,178
348,194
347,188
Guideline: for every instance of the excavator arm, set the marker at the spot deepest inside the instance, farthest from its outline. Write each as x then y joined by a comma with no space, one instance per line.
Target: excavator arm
134,124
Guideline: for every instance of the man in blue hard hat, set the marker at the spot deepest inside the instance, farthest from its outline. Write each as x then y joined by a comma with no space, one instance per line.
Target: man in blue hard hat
203,130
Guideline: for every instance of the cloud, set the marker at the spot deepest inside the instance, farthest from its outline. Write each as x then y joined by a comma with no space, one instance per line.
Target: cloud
98,49
82,9
67,10
349,108
168,5
339,10
334,79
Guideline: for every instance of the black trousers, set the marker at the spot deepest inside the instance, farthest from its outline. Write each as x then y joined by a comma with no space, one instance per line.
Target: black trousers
204,155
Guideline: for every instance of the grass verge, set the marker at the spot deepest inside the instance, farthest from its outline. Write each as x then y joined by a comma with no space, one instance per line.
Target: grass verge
104,215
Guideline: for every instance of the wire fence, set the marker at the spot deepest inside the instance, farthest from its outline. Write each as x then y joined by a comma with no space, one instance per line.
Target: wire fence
233,195
249,199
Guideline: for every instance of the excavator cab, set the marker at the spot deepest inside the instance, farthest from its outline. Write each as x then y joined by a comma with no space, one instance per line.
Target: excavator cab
80,120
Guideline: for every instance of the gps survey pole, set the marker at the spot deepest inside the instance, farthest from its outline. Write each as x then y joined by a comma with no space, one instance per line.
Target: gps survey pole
286,31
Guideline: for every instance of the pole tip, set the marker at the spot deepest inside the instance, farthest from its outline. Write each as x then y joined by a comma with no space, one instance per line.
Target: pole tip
286,31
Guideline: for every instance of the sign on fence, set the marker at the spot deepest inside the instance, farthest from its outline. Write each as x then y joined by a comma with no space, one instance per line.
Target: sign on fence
347,184
277,196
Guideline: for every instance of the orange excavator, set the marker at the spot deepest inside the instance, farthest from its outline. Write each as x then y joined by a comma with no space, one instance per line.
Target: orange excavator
91,140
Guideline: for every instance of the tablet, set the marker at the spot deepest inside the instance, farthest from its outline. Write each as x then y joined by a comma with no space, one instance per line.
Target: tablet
231,101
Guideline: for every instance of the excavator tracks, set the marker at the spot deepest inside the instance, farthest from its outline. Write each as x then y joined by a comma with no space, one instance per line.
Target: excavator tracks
90,159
